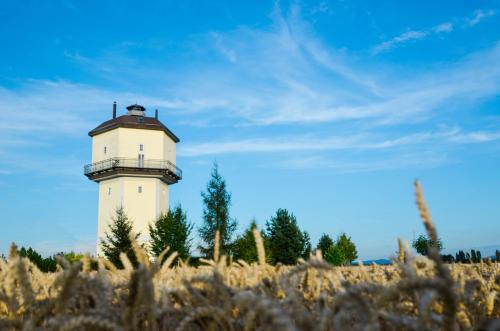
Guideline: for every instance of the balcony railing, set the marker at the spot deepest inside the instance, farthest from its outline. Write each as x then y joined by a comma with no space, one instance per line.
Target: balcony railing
131,163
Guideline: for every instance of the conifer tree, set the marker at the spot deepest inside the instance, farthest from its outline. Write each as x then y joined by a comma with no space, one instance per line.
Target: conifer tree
286,241
244,247
171,230
118,239
216,202
324,243
473,256
48,264
307,245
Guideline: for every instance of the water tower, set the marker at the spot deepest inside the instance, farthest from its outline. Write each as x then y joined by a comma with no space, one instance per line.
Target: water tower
133,161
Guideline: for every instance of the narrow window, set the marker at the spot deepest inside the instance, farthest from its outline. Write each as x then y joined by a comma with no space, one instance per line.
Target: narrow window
109,190
141,147
139,189
105,149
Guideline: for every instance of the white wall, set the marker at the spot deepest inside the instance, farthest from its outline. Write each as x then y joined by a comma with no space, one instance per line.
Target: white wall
107,139
141,208
124,142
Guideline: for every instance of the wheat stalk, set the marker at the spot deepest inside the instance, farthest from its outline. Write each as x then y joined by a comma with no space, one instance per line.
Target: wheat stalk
261,252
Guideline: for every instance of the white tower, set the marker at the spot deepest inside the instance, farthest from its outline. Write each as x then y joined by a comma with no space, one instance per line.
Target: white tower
133,160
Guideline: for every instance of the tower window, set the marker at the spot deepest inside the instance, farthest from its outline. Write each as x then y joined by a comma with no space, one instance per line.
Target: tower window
109,190
105,149
139,189
141,147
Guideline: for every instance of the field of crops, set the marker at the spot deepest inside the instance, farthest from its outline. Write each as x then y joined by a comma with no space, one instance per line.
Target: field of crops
311,295
413,294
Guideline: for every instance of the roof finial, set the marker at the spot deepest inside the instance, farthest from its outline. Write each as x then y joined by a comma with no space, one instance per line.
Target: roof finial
136,110
114,109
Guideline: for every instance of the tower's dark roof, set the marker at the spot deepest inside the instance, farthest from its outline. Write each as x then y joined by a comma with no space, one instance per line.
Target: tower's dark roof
134,122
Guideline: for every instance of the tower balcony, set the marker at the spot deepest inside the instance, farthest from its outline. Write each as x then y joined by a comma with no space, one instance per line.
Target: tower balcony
130,167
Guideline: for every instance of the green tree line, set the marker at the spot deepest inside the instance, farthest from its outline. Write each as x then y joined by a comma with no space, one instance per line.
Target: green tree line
284,241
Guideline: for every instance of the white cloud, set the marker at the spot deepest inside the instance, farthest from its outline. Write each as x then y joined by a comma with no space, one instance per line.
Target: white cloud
282,75
414,35
420,159
359,142
402,38
480,15
280,95
444,27
411,36
476,137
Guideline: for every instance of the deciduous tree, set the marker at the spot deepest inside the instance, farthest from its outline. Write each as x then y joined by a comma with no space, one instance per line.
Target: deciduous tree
422,244
347,247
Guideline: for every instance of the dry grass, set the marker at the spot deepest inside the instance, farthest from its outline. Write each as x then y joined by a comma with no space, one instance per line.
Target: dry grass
413,294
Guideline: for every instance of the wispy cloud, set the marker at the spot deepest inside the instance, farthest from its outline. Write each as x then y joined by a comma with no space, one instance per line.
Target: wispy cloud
286,144
411,36
444,27
476,137
414,35
265,78
358,142
282,95
420,159
480,15
398,40
284,74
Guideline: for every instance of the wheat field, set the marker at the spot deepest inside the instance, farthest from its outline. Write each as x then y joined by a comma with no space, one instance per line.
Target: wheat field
414,293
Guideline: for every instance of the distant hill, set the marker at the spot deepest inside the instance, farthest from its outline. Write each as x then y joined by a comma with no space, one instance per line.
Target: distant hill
378,262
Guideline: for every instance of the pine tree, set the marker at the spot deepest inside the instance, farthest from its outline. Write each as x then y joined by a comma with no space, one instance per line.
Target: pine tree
461,256
307,245
118,239
286,241
244,247
324,243
216,201
497,256
473,256
171,230
467,258
48,264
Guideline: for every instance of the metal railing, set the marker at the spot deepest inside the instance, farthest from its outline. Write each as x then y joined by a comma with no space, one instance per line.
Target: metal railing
122,162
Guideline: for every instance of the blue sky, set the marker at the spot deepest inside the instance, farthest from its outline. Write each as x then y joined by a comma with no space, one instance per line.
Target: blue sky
327,108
